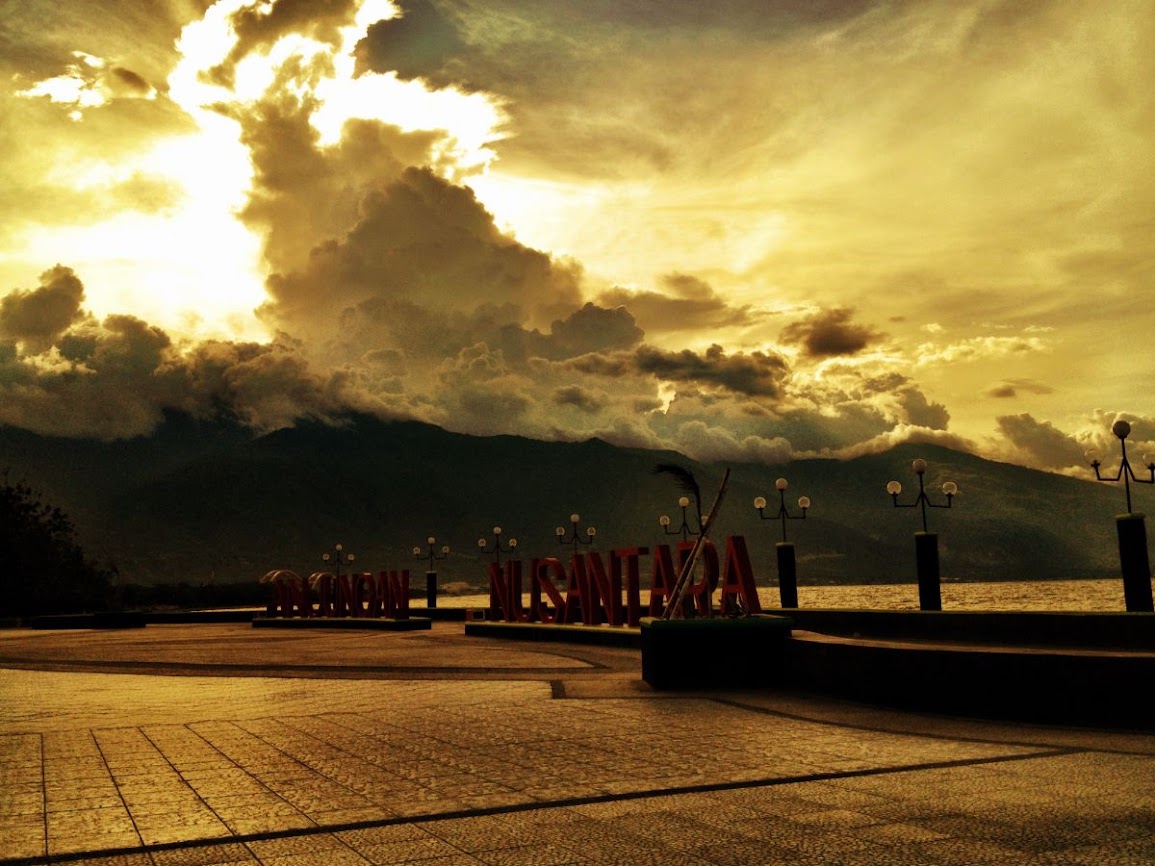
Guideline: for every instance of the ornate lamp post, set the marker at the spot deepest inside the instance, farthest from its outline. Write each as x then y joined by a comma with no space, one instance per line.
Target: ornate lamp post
684,530
925,543
337,557
787,564
1132,528
574,537
430,572
510,547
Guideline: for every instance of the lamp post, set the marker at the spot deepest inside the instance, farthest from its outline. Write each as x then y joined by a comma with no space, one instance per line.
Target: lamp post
430,573
575,537
337,557
684,530
1132,529
925,543
787,564
510,547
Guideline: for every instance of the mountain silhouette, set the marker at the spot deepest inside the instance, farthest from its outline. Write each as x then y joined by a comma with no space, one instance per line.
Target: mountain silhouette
203,502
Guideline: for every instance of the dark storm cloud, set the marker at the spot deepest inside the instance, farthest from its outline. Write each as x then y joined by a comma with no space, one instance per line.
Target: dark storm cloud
613,366
444,42
1011,388
664,67
754,374
127,80
36,318
420,43
830,333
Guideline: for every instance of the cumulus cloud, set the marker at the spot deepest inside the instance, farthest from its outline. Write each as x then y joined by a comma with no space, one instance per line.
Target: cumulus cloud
901,434
920,412
981,348
1040,442
422,240
118,377
259,26
35,318
589,330
686,303
708,442
582,398
392,288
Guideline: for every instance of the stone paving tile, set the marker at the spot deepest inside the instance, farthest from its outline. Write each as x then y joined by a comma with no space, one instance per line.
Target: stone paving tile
689,829
22,804
347,771
215,855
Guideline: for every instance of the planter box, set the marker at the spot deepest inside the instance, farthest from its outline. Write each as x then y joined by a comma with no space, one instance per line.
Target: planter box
742,652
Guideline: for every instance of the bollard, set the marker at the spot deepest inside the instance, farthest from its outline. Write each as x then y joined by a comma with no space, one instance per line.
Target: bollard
926,565
431,589
1134,562
787,574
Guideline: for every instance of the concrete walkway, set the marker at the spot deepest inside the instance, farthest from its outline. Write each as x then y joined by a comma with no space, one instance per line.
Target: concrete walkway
223,744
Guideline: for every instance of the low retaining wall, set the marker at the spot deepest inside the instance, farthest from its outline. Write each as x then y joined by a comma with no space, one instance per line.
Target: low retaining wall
415,623
1093,669
1063,686
1115,630
88,620
719,652
538,632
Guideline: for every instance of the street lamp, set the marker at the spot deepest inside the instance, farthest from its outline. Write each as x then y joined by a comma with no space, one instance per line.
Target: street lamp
783,513
684,530
925,543
575,538
483,545
337,557
787,564
430,573
1131,526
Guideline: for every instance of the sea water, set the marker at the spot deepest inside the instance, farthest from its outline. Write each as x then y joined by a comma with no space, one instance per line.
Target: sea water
1020,595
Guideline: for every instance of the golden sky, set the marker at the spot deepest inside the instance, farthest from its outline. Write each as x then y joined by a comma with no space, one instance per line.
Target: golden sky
745,230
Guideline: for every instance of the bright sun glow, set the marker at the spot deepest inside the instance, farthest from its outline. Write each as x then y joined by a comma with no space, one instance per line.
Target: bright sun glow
194,268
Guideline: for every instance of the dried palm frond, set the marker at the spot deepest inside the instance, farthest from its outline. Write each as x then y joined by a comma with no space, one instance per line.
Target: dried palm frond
687,483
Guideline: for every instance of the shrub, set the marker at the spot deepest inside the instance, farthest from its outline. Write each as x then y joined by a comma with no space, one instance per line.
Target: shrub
42,568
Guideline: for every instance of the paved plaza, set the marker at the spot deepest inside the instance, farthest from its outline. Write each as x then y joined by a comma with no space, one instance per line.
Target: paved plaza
224,744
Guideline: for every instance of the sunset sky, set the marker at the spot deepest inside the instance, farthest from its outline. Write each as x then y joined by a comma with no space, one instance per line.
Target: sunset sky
744,229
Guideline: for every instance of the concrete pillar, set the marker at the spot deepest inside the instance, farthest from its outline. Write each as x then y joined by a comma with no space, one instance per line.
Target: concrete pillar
1134,562
787,574
926,566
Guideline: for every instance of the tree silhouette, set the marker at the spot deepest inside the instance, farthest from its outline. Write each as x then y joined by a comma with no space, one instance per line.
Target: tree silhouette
42,568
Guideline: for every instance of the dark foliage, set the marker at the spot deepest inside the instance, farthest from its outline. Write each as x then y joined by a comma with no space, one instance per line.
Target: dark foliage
686,483
42,568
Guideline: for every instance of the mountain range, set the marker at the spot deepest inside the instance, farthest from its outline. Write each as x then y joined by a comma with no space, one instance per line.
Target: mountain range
201,502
